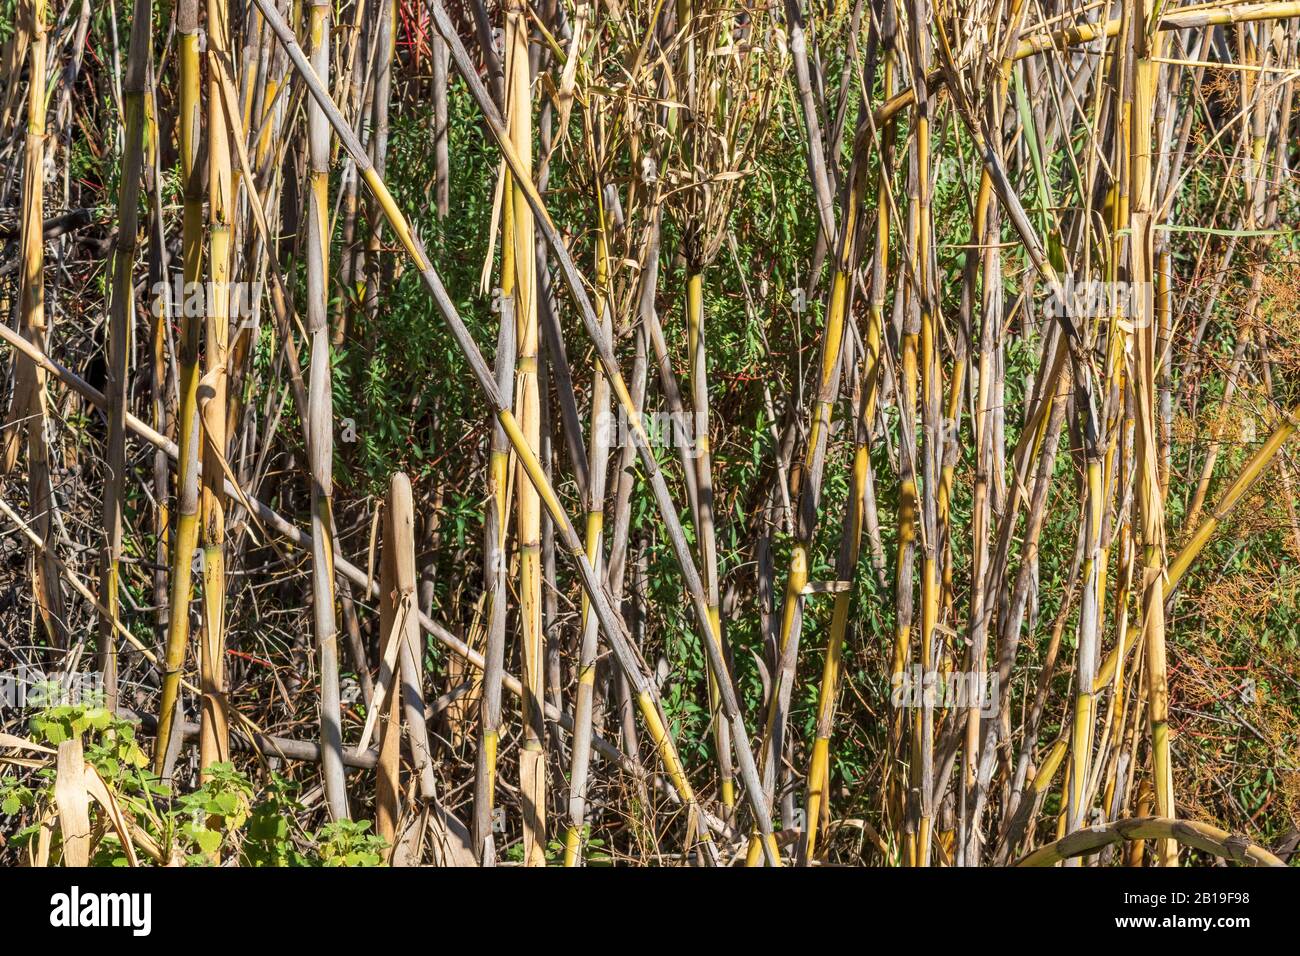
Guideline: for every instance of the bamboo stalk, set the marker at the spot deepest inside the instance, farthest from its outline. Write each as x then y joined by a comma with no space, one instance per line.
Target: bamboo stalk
442,188
187,481
931,451
702,462
1201,836
30,399
214,742
119,332
399,540
1150,493
904,803
528,518
160,383
598,466
495,533
320,444
388,784
386,44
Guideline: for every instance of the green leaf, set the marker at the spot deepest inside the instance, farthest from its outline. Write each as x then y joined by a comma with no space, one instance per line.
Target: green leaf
208,840
227,804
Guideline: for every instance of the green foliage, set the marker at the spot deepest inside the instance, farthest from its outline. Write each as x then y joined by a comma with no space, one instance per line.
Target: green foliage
57,724
347,843
228,817
215,812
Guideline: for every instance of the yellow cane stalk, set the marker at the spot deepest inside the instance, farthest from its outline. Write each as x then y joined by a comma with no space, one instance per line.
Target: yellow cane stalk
1144,384
818,797
187,526
214,743
797,579
532,761
499,488
29,398
597,471
697,357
